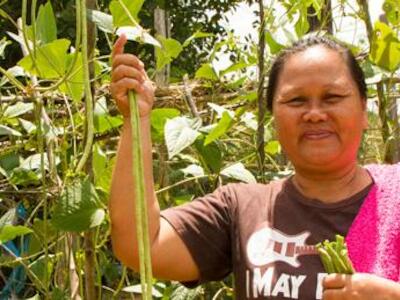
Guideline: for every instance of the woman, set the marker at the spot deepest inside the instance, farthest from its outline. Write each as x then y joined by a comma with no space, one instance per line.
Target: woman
266,234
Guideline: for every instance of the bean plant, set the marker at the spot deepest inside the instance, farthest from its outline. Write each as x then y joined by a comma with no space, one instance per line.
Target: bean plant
59,131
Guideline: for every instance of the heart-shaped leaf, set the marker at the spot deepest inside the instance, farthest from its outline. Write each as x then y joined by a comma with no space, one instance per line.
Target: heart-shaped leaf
239,172
180,133
79,207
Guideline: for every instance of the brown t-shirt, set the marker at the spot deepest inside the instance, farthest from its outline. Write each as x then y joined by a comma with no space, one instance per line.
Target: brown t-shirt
265,235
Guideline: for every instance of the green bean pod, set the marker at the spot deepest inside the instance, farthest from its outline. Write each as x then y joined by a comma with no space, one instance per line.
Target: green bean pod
142,228
326,259
336,260
345,257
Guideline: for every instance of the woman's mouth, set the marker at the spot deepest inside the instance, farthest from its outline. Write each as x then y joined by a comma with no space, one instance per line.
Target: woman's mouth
317,134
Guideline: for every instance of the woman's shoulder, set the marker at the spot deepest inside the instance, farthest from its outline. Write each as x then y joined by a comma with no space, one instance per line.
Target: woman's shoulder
244,192
255,186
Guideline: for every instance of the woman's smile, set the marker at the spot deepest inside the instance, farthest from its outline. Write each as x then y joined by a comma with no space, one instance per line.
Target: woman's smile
317,134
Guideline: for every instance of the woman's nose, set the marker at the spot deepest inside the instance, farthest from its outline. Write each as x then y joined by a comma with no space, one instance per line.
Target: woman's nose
315,113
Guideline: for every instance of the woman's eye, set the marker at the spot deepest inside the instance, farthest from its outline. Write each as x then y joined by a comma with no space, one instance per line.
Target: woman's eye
296,101
333,98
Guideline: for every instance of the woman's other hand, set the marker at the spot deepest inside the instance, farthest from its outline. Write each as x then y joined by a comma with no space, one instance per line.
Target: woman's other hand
128,73
360,286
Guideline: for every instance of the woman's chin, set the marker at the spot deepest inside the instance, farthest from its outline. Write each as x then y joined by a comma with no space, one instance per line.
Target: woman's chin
320,159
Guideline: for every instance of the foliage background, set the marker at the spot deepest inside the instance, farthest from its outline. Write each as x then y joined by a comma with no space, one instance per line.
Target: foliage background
207,130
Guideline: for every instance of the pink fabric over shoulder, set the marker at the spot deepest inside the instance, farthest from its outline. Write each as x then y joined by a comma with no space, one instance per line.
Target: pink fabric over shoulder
373,239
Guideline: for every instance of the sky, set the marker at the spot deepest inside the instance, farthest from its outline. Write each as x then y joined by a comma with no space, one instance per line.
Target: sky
348,29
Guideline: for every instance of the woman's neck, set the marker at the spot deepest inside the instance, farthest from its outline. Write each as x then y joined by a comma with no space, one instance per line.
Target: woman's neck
332,187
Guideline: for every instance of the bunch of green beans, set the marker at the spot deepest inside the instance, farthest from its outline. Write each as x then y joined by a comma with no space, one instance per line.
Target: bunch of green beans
334,256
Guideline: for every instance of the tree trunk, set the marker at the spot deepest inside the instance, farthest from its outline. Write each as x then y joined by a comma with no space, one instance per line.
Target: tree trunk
261,94
326,18
162,27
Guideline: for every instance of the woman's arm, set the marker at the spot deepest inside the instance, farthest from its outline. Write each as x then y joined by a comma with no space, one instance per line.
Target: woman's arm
170,257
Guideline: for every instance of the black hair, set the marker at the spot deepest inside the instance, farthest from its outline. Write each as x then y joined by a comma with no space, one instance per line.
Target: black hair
303,44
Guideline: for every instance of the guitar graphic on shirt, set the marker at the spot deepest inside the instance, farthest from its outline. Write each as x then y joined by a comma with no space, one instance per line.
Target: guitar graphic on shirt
270,245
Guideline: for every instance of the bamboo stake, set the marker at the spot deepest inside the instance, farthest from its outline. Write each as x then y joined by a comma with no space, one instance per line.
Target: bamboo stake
142,227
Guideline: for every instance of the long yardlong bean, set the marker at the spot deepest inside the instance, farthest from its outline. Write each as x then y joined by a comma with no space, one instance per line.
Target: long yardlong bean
142,228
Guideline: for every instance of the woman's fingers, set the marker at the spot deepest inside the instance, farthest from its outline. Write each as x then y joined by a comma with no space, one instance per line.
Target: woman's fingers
123,71
332,295
127,59
120,88
128,73
335,281
119,46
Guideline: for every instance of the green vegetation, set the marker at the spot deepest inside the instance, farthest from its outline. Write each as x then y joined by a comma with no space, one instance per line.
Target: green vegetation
59,127
334,256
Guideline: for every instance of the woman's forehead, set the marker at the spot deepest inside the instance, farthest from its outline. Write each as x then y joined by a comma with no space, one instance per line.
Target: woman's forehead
315,58
315,65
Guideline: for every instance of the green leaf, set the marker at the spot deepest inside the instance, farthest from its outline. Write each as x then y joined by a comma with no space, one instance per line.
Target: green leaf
38,266
385,48
3,44
99,163
10,232
36,297
104,123
28,126
159,117
79,207
392,11
138,34
234,67
137,289
224,124
46,27
23,177
33,162
103,21
302,26
196,35
206,71
9,161
38,227
8,217
183,293
15,71
250,120
273,45
120,17
220,110
74,86
193,170
169,50
5,130
273,147
210,154
51,60
17,109
180,133
239,172
235,85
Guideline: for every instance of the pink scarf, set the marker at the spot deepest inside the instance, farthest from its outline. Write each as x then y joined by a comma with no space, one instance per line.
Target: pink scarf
373,239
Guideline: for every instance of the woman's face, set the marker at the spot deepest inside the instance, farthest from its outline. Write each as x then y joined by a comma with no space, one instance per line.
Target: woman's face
318,110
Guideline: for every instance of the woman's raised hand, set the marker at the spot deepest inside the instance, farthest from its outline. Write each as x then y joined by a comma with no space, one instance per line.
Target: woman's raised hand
128,73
